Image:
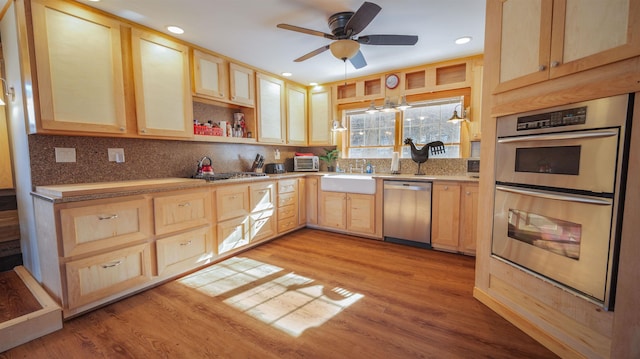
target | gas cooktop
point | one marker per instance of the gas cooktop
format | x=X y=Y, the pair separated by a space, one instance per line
x=228 y=175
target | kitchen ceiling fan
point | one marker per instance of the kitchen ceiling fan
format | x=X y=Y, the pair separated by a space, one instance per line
x=345 y=27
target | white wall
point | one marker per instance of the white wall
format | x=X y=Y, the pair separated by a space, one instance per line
x=18 y=140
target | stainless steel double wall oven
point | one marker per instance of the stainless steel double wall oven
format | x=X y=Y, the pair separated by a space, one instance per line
x=560 y=177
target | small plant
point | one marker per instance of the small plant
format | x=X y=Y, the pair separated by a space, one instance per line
x=330 y=157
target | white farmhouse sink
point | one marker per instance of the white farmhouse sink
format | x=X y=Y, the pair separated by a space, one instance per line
x=348 y=183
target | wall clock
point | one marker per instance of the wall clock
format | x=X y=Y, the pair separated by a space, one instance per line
x=392 y=81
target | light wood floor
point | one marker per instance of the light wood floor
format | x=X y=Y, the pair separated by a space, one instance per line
x=310 y=294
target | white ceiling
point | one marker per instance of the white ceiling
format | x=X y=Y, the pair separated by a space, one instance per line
x=246 y=30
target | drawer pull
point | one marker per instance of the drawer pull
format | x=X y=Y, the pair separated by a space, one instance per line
x=188 y=243
x=186 y=204
x=112 y=216
x=111 y=265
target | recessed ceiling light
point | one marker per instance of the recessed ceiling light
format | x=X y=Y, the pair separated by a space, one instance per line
x=463 y=40
x=94 y=0
x=313 y=84
x=175 y=29
x=286 y=74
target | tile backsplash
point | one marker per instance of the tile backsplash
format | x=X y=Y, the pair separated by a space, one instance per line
x=146 y=159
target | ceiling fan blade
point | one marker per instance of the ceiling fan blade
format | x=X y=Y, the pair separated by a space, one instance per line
x=388 y=40
x=361 y=18
x=312 y=54
x=306 y=31
x=358 y=60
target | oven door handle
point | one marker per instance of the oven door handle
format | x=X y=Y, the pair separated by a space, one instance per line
x=556 y=196
x=561 y=136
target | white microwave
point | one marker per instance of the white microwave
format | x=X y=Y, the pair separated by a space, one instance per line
x=306 y=163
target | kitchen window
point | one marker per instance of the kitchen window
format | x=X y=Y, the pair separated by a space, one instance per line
x=379 y=134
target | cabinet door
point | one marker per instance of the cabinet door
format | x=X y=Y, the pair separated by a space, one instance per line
x=100 y=276
x=296 y=115
x=361 y=213
x=525 y=32
x=210 y=76
x=302 y=201
x=233 y=234
x=184 y=251
x=232 y=202
x=262 y=196
x=332 y=210
x=79 y=64
x=587 y=35
x=271 y=111
x=312 y=200
x=103 y=224
x=163 y=92
x=183 y=210
x=445 y=216
x=320 y=114
x=241 y=85
x=6 y=170
x=469 y=220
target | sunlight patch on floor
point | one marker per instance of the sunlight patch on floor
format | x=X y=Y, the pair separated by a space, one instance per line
x=288 y=302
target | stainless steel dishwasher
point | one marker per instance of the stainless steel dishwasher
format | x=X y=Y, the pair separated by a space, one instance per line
x=407 y=213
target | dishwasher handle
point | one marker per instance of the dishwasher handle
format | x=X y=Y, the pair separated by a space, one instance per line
x=408 y=186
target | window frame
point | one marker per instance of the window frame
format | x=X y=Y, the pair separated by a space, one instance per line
x=346 y=108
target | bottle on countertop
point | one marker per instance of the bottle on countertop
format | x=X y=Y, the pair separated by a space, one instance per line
x=369 y=168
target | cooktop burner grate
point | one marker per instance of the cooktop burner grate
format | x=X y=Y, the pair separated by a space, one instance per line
x=228 y=175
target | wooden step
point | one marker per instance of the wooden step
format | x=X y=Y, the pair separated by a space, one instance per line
x=26 y=310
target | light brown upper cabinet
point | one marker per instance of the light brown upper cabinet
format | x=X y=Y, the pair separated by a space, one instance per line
x=79 y=62
x=162 y=87
x=242 y=85
x=210 y=76
x=296 y=115
x=320 y=111
x=543 y=39
x=271 y=109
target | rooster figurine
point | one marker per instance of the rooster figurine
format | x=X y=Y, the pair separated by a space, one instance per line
x=422 y=155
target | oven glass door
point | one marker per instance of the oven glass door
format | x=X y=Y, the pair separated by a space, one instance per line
x=583 y=160
x=563 y=237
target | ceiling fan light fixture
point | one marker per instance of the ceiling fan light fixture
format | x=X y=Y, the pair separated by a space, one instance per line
x=344 y=49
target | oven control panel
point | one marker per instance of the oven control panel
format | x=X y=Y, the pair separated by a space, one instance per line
x=572 y=116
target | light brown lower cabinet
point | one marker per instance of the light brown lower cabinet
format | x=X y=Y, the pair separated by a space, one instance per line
x=184 y=251
x=454 y=217
x=351 y=212
x=102 y=275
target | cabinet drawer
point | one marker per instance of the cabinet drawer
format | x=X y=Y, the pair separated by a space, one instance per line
x=233 y=234
x=287 y=224
x=106 y=274
x=104 y=224
x=263 y=225
x=262 y=196
x=287 y=211
x=181 y=211
x=286 y=186
x=286 y=199
x=232 y=202
x=184 y=251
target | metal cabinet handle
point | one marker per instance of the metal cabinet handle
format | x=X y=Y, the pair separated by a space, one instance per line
x=446 y=188
x=111 y=265
x=185 y=204
x=111 y=216
x=555 y=64
x=185 y=243
x=468 y=193
x=542 y=67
